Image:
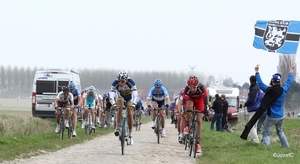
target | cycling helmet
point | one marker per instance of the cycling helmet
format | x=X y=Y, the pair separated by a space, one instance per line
x=71 y=85
x=92 y=89
x=157 y=83
x=65 y=89
x=104 y=95
x=193 y=81
x=123 y=75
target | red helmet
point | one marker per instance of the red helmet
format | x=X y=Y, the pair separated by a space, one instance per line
x=193 y=81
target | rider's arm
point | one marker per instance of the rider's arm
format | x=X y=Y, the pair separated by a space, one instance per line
x=149 y=96
x=168 y=101
x=79 y=101
x=134 y=96
x=112 y=96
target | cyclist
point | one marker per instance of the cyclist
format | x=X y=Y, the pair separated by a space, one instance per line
x=172 y=111
x=181 y=109
x=139 y=107
x=77 y=104
x=90 y=99
x=157 y=96
x=99 y=118
x=196 y=94
x=124 y=90
x=65 y=98
x=106 y=107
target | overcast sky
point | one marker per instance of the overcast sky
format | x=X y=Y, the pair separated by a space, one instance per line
x=215 y=35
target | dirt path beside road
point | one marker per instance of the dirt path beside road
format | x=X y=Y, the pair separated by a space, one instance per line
x=107 y=149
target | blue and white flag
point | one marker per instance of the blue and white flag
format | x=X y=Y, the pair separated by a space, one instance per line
x=279 y=36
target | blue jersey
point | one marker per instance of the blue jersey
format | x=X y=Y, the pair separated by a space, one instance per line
x=76 y=94
x=172 y=106
x=139 y=105
x=90 y=98
x=158 y=96
x=126 y=90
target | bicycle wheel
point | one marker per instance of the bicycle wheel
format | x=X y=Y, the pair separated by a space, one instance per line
x=70 y=129
x=89 y=125
x=139 y=124
x=136 y=122
x=158 y=128
x=122 y=137
x=191 y=139
x=108 y=122
x=62 y=127
x=195 y=139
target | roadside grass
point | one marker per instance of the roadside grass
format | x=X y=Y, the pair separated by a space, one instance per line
x=22 y=136
x=225 y=147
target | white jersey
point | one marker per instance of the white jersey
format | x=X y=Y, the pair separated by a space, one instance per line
x=61 y=97
x=100 y=97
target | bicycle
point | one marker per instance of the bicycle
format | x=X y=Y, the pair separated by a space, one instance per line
x=62 y=121
x=124 y=130
x=109 y=119
x=137 y=120
x=158 y=128
x=88 y=122
x=192 y=137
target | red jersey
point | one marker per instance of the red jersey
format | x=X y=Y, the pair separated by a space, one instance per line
x=197 y=97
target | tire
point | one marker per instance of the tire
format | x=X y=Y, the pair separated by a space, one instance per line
x=122 y=137
x=62 y=127
x=195 y=139
x=158 y=128
x=191 y=140
x=70 y=129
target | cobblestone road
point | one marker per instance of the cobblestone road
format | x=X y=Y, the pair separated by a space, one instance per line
x=107 y=149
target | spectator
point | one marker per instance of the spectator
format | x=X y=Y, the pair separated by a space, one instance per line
x=253 y=102
x=218 y=108
x=225 y=109
x=275 y=113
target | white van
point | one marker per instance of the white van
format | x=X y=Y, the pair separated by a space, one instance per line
x=46 y=85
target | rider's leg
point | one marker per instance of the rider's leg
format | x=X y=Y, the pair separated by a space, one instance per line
x=93 y=115
x=120 y=103
x=74 y=117
x=130 y=119
x=58 y=112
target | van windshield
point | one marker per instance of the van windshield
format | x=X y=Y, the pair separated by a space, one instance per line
x=49 y=86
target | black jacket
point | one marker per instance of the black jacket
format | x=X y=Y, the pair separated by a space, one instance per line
x=271 y=95
x=225 y=106
x=218 y=106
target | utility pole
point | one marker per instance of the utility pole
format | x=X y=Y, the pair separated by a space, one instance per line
x=192 y=69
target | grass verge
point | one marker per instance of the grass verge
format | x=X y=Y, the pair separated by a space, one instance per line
x=225 y=147
x=22 y=136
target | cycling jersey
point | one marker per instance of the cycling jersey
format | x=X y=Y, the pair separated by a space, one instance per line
x=76 y=94
x=197 y=97
x=90 y=99
x=172 y=106
x=61 y=97
x=128 y=92
x=158 y=96
x=139 y=105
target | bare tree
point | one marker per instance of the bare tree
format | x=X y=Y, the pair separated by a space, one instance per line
x=285 y=62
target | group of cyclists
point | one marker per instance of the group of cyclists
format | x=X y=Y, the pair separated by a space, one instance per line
x=124 y=94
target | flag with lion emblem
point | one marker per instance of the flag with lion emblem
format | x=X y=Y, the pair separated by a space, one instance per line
x=279 y=36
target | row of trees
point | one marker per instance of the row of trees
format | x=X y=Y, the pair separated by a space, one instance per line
x=17 y=81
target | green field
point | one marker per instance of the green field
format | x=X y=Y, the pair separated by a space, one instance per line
x=25 y=136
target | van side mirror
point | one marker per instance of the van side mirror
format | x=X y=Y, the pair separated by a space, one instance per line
x=241 y=106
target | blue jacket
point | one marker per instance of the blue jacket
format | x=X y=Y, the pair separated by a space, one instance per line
x=276 y=108
x=254 y=98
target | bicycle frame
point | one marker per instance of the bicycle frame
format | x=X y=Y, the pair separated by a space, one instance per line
x=192 y=137
x=124 y=131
